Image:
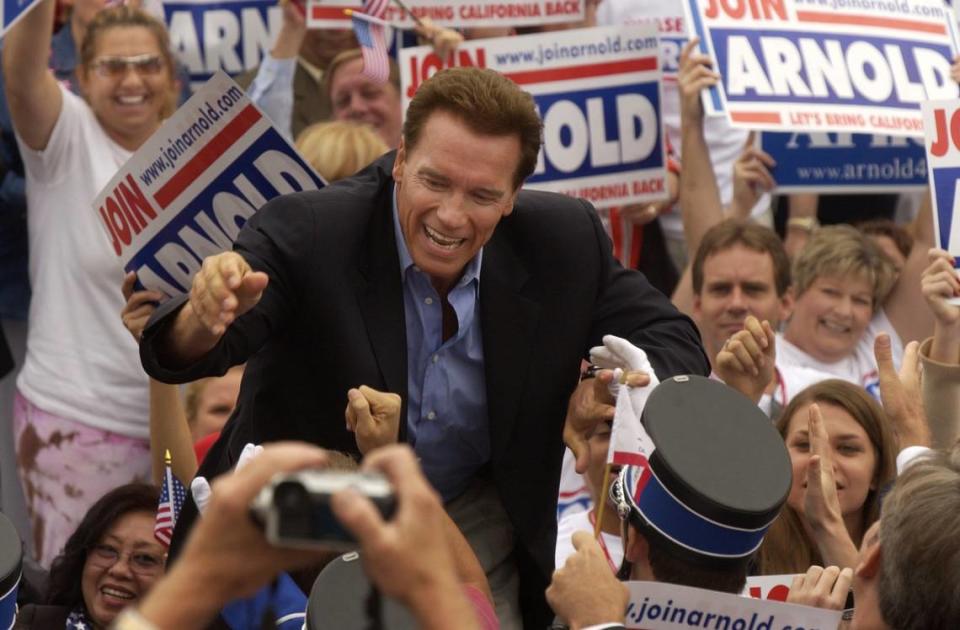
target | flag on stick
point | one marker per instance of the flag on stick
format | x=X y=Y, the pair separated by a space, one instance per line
x=172 y=496
x=373 y=45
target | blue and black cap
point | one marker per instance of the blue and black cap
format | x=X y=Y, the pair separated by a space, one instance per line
x=715 y=478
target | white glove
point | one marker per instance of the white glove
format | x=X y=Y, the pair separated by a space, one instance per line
x=618 y=353
x=200 y=487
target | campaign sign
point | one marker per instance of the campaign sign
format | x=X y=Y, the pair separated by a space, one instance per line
x=666 y=14
x=188 y=190
x=655 y=606
x=598 y=92
x=454 y=13
x=941 y=121
x=773 y=587
x=826 y=162
x=791 y=65
x=228 y=35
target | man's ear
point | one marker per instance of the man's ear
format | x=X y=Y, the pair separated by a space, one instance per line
x=870 y=560
x=635 y=548
x=786 y=304
x=399 y=162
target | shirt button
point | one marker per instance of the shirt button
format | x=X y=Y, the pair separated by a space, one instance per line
x=432 y=415
x=436 y=358
x=428 y=301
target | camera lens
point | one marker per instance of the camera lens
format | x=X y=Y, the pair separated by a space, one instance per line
x=290 y=495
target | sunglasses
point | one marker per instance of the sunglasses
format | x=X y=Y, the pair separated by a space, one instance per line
x=116 y=67
x=141 y=563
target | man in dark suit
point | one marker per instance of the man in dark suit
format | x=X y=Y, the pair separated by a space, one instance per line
x=431 y=275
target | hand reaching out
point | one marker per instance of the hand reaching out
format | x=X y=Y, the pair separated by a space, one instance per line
x=584 y=592
x=225 y=288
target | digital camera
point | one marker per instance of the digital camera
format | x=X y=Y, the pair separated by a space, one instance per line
x=294 y=508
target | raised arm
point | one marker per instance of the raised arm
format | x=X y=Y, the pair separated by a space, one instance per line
x=910 y=322
x=32 y=92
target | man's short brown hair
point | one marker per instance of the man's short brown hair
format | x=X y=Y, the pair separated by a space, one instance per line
x=732 y=232
x=485 y=101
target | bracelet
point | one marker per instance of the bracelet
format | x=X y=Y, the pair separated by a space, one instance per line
x=807 y=224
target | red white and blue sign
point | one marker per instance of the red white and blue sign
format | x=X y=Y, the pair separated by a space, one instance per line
x=185 y=194
x=454 y=13
x=598 y=93
x=807 y=65
x=826 y=162
x=941 y=120
x=229 y=35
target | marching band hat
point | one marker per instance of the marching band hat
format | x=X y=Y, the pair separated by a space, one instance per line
x=715 y=475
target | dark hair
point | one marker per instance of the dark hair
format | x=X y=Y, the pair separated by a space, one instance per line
x=125 y=16
x=485 y=101
x=63 y=588
x=670 y=568
x=732 y=232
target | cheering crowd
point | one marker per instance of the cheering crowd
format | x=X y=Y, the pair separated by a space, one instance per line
x=793 y=369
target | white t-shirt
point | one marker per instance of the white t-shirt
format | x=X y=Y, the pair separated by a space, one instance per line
x=580 y=521
x=859 y=367
x=725 y=142
x=792 y=379
x=81 y=362
x=574 y=495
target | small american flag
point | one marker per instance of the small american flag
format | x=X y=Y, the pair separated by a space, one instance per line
x=376 y=8
x=172 y=496
x=373 y=44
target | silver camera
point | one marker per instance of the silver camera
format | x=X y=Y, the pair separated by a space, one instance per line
x=294 y=508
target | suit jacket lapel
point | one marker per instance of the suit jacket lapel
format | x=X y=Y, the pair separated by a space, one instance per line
x=509 y=316
x=380 y=296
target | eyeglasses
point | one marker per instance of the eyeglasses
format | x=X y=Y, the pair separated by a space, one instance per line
x=116 y=67
x=140 y=562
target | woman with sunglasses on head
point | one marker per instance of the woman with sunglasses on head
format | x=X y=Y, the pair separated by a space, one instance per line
x=81 y=406
x=109 y=563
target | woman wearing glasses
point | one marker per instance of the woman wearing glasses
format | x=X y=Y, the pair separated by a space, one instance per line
x=109 y=563
x=80 y=417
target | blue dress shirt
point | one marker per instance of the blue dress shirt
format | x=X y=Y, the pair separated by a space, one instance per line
x=447 y=422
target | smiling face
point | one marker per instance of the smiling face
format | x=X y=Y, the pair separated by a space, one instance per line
x=854 y=458
x=128 y=105
x=358 y=98
x=109 y=587
x=830 y=316
x=449 y=199
x=737 y=281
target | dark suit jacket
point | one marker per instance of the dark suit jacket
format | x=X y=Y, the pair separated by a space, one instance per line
x=332 y=318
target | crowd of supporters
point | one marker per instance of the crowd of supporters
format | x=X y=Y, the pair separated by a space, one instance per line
x=831 y=350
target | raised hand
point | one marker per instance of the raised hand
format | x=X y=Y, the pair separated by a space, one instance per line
x=822 y=588
x=747 y=361
x=751 y=178
x=696 y=74
x=901 y=393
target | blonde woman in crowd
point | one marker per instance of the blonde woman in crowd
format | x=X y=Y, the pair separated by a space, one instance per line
x=338 y=149
x=80 y=417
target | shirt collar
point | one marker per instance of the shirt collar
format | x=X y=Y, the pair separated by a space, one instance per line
x=470 y=272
